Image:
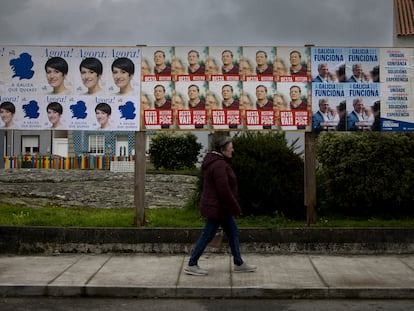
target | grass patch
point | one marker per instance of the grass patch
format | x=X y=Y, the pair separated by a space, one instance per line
x=56 y=216
x=65 y=217
x=371 y=222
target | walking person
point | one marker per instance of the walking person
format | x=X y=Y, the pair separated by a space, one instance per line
x=219 y=205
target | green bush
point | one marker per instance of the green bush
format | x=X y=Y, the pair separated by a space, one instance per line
x=174 y=151
x=365 y=174
x=269 y=173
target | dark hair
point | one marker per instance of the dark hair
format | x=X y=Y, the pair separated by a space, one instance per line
x=261 y=85
x=9 y=106
x=104 y=107
x=193 y=51
x=261 y=51
x=57 y=63
x=231 y=88
x=159 y=51
x=231 y=53
x=55 y=106
x=196 y=86
x=221 y=142
x=125 y=64
x=93 y=64
x=295 y=51
x=160 y=85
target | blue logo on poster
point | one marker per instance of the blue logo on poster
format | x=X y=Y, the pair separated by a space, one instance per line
x=22 y=66
x=127 y=111
x=31 y=110
x=79 y=110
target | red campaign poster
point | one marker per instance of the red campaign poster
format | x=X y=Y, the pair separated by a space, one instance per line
x=222 y=78
x=151 y=117
x=294 y=118
x=158 y=117
x=183 y=78
x=154 y=78
x=233 y=117
x=225 y=117
x=252 y=117
x=165 y=117
x=189 y=63
x=156 y=63
x=218 y=117
x=192 y=117
x=292 y=64
x=260 y=117
x=223 y=63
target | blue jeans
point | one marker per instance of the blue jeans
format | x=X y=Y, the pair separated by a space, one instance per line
x=229 y=227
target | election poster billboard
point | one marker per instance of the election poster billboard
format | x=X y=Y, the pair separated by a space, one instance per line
x=70 y=88
x=232 y=88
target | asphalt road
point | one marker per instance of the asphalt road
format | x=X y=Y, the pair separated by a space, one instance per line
x=102 y=304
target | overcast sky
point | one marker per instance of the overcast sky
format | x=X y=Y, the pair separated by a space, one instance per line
x=197 y=22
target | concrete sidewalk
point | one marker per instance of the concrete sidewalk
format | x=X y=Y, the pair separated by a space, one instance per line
x=161 y=275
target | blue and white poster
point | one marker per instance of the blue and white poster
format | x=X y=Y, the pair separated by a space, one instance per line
x=70 y=88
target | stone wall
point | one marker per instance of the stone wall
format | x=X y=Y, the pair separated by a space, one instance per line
x=92 y=188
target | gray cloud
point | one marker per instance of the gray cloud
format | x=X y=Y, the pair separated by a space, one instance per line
x=196 y=22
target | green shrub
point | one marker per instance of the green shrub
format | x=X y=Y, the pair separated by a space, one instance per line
x=270 y=175
x=365 y=174
x=174 y=151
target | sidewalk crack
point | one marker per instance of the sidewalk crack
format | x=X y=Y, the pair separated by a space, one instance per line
x=63 y=271
x=318 y=273
x=406 y=264
x=96 y=272
x=179 y=274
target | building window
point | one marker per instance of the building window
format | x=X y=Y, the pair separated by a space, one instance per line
x=30 y=144
x=97 y=144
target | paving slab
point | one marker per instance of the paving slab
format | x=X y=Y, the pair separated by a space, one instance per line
x=365 y=276
x=73 y=280
x=216 y=284
x=30 y=275
x=279 y=277
x=139 y=275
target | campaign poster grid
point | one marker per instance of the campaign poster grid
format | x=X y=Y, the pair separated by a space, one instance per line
x=340 y=88
x=362 y=89
x=70 y=88
x=207 y=88
x=226 y=88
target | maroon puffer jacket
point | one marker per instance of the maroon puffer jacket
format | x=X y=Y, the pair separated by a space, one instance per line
x=219 y=196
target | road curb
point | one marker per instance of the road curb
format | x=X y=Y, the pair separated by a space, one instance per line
x=26 y=240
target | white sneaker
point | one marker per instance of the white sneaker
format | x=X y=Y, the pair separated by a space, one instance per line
x=245 y=267
x=195 y=270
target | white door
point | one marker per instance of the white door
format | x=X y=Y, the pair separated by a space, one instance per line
x=60 y=146
x=121 y=146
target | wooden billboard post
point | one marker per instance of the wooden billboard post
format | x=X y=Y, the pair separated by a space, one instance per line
x=139 y=180
x=310 y=177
